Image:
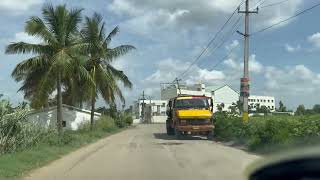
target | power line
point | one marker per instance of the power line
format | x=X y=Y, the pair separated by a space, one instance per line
x=274 y=4
x=222 y=59
x=225 y=38
x=211 y=41
x=235 y=26
x=285 y=20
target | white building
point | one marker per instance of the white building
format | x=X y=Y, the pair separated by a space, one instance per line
x=156 y=108
x=73 y=117
x=223 y=95
x=267 y=101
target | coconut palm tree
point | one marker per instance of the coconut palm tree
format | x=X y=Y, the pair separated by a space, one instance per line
x=101 y=55
x=54 y=59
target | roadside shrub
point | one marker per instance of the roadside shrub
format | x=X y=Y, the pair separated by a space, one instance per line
x=106 y=123
x=123 y=120
x=268 y=132
x=17 y=133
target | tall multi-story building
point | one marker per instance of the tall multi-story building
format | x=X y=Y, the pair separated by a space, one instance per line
x=268 y=101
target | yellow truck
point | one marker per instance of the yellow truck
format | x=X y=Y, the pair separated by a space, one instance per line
x=190 y=115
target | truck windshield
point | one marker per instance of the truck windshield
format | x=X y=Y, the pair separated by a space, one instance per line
x=196 y=103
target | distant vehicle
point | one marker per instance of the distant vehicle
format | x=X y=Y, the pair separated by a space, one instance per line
x=190 y=115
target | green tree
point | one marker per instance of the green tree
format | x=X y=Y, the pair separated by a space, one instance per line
x=238 y=105
x=220 y=107
x=301 y=110
x=263 y=109
x=316 y=108
x=54 y=57
x=233 y=108
x=282 y=108
x=101 y=55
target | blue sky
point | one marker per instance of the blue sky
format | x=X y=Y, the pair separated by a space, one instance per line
x=169 y=34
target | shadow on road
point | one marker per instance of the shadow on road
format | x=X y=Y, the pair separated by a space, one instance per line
x=164 y=136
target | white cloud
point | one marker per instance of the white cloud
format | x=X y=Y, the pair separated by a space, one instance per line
x=24 y=37
x=18 y=6
x=254 y=65
x=291 y=49
x=231 y=63
x=192 y=14
x=169 y=68
x=234 y=44
x=315 y=40
x=292 y=80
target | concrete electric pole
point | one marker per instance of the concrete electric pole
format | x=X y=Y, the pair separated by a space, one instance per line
x=177 y=81
x=244 y=82
x=143 y=107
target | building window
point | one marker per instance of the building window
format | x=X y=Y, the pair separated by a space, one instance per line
x=269 y=107
x=271 y=100
x=257 y=100
x=264 y=100
x=163 y=105
x=272 y=107
x=268 y=100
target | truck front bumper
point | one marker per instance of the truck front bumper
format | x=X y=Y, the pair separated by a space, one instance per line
x=194 y=128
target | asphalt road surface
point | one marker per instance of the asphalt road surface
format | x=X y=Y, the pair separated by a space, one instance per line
x=147 y=153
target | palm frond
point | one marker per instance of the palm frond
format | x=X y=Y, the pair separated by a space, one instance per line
x=36 y=27
x=22 y=47
x=118 y=51
x=119 y=75
x=73 y=21
x=38 y=62
x=111 y=35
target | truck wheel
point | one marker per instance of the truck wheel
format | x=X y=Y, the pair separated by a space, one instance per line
x=170 y=130
x=210 y=136
x=177 y=133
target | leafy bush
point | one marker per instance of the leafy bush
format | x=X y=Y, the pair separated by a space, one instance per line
x=16 y=132
x=123 y=120
x=268 y=132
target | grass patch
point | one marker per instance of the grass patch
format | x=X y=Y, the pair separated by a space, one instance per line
x=18 y=163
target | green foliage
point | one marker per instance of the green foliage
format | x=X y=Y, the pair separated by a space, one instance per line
x=268 y=132
x=16 y=133
x=262 y=109
x=111 y=111
x=123 y=120
x=316 y=108
x=301 y=110
x=282 y=108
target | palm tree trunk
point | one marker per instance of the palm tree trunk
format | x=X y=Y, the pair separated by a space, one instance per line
x=59 y=105
x=93 y=98
x=93 y=102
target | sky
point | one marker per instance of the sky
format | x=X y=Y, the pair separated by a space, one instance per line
x=169 y=34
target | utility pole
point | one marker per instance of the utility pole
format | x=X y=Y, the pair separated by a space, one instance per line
x=244 y=82
x=177 y=81
x=142 y=107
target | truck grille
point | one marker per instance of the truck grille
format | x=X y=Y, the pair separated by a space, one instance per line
x=198 y=121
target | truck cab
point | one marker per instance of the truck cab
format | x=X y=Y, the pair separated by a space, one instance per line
x=190 y=115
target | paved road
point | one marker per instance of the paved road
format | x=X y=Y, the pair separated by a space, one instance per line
x=147 y=153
